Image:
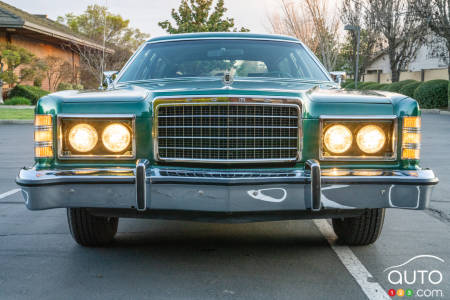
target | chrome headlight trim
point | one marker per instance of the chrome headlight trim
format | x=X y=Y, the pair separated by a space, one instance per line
x=113 y=117
x=362 y=118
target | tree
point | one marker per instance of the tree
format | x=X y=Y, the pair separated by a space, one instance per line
x=313 y=23
x=294 y=21
x=98 y=23
x=436 y=14
x=401 y=33
x=35 y=71
x=15 y=58
x=327 y=30
x=354 y=13
x=57 y=71
x=199 y=16
x=92 y=25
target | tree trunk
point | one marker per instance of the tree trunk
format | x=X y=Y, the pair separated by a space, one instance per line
x=395 y=72
x=395 y=75
x=448 y=59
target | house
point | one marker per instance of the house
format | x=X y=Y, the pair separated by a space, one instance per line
x=43 y=37
x=423 y=68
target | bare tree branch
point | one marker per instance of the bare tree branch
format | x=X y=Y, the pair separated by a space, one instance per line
x=311 y=22
x=436 y=15
x=401 y=33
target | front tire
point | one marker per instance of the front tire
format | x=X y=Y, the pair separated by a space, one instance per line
x=362 y=230
x=89 y=230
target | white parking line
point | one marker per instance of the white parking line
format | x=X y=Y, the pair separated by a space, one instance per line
x=9 y=193
x=373 y=290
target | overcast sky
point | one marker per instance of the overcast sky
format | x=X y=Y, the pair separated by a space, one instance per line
x=145 y=14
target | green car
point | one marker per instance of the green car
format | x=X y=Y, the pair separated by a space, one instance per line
x=226 y=127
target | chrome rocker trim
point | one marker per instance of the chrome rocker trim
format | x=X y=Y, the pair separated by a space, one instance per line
x=146 y=190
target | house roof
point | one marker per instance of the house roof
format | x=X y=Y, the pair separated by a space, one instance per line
x=238 y=35
x=12 y=17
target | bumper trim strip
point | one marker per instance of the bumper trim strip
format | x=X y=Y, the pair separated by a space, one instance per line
x=29 y=177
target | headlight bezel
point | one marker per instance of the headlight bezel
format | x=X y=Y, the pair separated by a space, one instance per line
x=355 y=153
x=106 y=119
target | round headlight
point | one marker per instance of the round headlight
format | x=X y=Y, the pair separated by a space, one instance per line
x=116 y=137
x=338 y=138
x=83 y=137
x=371 y=139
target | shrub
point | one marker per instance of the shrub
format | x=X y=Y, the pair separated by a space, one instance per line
x=362 y=85
x=30 y=92
x=432 y=94
x=78 y=87
x=351 y=86
x=396 y=86
x=62 y=86
x=385 y=87
x=18 y=101
x=379 y=86
x=370 y=86
x=37 y=82
x=345 y=83
x=408 y=90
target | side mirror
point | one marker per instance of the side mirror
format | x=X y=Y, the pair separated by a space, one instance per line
x=108 y=79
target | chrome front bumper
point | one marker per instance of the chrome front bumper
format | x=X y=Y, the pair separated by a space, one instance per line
x=151 y=189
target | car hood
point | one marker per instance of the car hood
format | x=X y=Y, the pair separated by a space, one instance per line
x=318 y=98
x=327 y=91
x=316 y=91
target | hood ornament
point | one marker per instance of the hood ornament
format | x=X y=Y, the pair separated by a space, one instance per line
x=227 y=79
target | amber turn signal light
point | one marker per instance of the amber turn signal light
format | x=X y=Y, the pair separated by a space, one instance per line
x=411 y=137
x=412 y=122
x=43 y=120
x=43 y=136
x=42 y=152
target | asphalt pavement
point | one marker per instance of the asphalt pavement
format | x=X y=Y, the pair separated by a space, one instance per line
x=155 y=259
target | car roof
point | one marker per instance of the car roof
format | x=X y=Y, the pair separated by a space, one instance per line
x=237 y=35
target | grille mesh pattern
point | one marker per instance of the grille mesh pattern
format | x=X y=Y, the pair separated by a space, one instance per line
x=228 y=132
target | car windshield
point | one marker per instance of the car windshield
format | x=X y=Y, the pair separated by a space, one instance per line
x=211 y=58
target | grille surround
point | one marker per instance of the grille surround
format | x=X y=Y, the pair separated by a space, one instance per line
x=222 y=122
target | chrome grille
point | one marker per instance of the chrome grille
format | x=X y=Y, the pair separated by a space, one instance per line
x=227 y=132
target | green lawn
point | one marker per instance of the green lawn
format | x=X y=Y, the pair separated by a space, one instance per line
x=16 y=114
